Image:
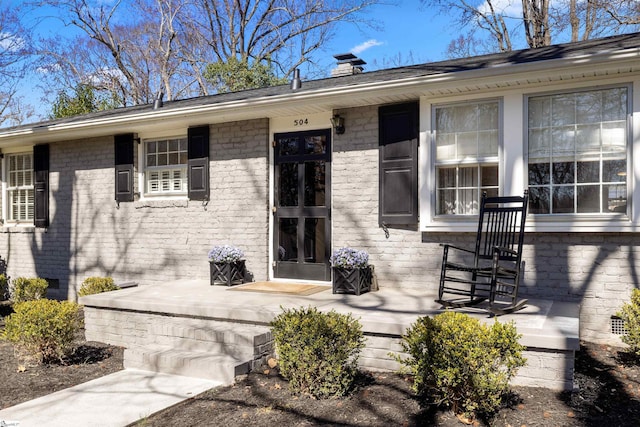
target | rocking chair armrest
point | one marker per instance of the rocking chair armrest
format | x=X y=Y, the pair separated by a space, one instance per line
x=503 y=249
x=496 y=268
x=448 y=245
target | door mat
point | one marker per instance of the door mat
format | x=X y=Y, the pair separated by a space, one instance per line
x=280 y=288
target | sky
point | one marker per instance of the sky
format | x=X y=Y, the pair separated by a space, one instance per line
x=407 y=31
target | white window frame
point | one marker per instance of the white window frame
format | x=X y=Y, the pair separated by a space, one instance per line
x=476 y=162
x=577 y=216
x=171 y=169
x=7 y=214
x=514 y=161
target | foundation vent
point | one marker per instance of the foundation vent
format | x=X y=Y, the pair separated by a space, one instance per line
x=617 y=326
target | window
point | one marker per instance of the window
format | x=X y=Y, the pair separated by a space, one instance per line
x=166 y=166
x=20 y=190
x=577 y=145
x=467 y=140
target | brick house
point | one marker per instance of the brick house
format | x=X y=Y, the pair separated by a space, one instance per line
x=142 y=193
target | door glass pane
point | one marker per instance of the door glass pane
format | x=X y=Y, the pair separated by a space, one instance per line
x=314 y=184
x=315 y=144
x=288 y=146
x=288 y=240
x=314 y=243
x=288 y=184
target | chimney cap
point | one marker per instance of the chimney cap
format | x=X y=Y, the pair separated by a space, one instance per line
x=349 y=58
x=344 y=56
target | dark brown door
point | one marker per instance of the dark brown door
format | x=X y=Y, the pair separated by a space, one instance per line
x=302 y=237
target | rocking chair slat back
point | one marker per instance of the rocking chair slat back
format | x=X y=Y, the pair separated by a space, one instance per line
x=500 y=222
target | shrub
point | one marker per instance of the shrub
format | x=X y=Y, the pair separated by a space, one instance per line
x=4 y=287
x=318 y=352
x=97 y=285
x=27 y=289
x=43 y=330
x=630 y=313
x=459 y=362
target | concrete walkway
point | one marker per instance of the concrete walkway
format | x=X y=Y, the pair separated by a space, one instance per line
x=114 y=400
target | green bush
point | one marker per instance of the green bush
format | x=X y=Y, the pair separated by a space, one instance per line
x=43 y=330
x=4 y=287
x=27 y=289
x=97 y=285
x=630 y=313
x=461 y=363
x=318 y=352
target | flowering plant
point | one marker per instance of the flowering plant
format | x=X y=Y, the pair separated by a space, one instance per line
x=349 y=258
x=225 y=253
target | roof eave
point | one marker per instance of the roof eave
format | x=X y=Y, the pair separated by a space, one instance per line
x=331 y=97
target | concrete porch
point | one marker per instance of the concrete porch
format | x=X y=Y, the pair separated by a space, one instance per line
x=188 y=327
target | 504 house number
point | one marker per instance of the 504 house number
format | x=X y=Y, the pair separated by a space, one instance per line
x=300 y=122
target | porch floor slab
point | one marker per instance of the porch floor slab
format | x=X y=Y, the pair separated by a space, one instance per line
x=388 y=311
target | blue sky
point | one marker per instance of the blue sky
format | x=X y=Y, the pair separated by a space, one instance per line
x=407 y=30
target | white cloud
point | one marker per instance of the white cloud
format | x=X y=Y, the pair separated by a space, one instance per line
x=510 y=8
x=364 y=46
x=49 y=69
x=10 y=42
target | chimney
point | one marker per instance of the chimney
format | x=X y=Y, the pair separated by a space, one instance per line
x=348 y=64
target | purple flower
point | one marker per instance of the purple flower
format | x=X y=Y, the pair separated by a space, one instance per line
x=225 y=253
x=349 y=258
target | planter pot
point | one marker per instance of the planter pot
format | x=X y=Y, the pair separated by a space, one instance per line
x=227 y=273
x=352 y=280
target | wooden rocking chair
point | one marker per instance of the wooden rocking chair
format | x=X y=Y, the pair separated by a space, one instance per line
x=492 y=270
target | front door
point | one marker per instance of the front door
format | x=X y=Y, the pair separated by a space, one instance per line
x=302 y=234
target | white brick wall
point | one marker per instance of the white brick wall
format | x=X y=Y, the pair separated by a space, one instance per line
x=599 y=270
x=148 y=241
x=155 y=241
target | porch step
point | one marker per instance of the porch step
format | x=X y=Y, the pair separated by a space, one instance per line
x=212 y=337
x=200 y=348
x=218 y=367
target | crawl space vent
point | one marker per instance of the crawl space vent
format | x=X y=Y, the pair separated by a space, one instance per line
x=617 y=326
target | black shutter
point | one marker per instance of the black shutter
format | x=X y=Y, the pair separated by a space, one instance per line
x=198 y=163
x=124 y=167
x=41 y=185
x=398 y=139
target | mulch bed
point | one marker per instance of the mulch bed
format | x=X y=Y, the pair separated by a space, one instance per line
x=20 y=382
x=607 y=379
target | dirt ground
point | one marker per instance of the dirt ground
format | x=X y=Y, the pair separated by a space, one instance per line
x=19 y=383
x=607 y=379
